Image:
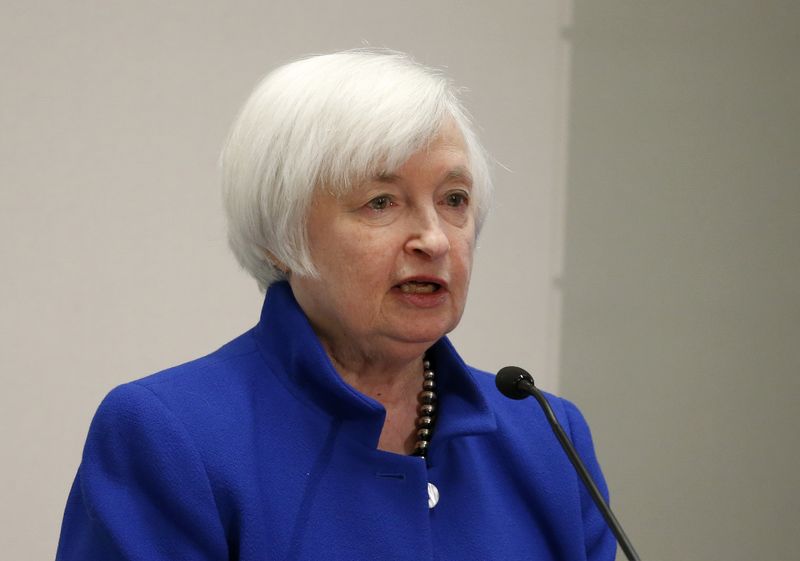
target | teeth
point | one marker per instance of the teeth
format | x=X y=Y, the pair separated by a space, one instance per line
x=418 y=287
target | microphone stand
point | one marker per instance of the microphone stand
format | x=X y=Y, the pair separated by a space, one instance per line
x=524 y=383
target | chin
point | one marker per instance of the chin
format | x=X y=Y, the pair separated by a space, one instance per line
x=428 y=333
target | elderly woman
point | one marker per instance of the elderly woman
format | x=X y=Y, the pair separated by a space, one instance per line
x=344 y=426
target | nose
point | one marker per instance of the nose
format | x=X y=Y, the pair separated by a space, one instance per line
x=427 y=237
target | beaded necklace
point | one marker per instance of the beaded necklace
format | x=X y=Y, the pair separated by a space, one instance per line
x=426 y=417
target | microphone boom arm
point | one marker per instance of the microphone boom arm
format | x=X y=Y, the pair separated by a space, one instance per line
x=517 y=384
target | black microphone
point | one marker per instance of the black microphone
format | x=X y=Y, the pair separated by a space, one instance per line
x=513 y=382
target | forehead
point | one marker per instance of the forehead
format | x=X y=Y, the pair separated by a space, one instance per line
x=444 y=156
x=454 y=174
x=347 y=168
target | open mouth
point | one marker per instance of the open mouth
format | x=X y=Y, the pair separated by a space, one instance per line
x=419 y=287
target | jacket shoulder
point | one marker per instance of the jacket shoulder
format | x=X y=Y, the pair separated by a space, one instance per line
x=211 y=397
x=514 y=411
x=231 y=362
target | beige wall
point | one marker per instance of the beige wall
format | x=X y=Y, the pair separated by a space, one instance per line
x=681 y=331
x=111 y=235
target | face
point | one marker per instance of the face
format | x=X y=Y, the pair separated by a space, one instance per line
x=394 y=256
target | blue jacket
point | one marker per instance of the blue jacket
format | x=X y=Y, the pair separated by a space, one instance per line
x=259 y=451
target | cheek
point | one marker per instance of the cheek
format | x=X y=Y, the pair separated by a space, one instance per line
x=333 y=248
x=359 y=258
x=465 y=249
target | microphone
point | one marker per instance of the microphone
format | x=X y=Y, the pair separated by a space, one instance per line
x=515 y=383
x=509 y=381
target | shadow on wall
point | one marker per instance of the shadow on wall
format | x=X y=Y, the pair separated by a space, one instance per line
x=681 y=303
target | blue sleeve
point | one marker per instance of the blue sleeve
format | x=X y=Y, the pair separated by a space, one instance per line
x=601 y=545
x=142 y=492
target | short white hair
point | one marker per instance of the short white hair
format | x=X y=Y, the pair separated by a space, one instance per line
x=329 y=120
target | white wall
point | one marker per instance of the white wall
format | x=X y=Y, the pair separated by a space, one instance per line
x=681 y=294
x=681 y=299
x=111 y=234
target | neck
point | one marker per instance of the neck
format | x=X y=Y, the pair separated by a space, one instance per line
x=394 y=385
x=388 y=382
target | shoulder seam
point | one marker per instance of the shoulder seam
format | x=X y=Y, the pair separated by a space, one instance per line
x=199 y=364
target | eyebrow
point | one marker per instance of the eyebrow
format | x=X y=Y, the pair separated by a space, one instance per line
x=458 y=173
x=386 y=177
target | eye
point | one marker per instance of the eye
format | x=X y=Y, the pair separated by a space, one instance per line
x=380 y=203
x=456 y=199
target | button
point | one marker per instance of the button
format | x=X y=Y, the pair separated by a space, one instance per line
x=433 y=495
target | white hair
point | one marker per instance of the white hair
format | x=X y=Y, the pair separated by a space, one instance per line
x=330 y=120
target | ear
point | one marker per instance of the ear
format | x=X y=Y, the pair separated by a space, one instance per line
x=277 y=263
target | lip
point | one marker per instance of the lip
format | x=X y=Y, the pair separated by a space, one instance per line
x=423 y=300
x=424 y=278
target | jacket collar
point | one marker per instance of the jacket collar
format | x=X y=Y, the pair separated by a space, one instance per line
x=293 y=351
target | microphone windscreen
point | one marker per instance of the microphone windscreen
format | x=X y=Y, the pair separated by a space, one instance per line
x=508 y=379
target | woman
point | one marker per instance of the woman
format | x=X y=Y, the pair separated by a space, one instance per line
x=344 y=425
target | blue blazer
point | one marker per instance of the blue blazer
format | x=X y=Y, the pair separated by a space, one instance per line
x=259 y=451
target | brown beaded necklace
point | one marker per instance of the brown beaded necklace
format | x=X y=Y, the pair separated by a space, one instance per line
x=426 y=410
x=426 y=418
